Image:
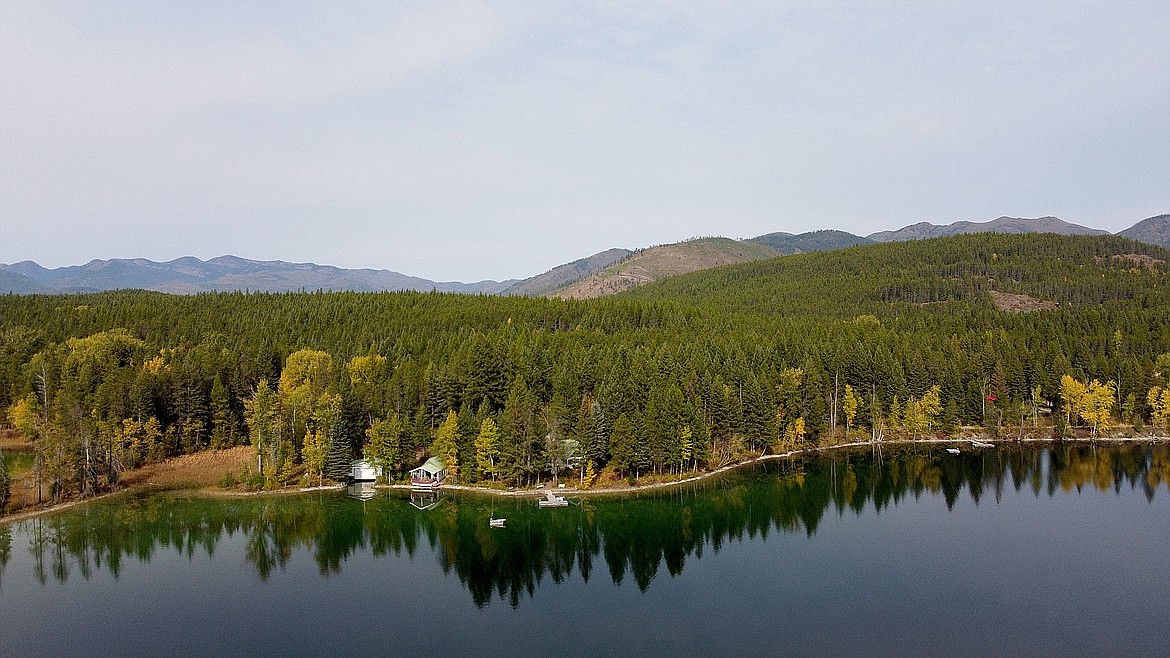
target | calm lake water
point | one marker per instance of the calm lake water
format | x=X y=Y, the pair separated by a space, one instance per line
x=1011 y=551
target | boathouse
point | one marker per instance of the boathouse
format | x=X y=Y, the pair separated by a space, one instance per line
x=361 y=470
x=429 y=475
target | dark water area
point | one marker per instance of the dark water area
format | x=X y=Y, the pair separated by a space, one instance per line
x=1010 y=551
x=18 y=461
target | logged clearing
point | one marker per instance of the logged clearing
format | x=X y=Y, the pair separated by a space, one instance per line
x=1137 y=260
x=1006 y=301
x=665 y=261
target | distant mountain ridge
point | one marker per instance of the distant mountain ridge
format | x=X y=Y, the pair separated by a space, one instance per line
x=603 y=273
x=189 y=275
x=1152 y=230
x=924 y=230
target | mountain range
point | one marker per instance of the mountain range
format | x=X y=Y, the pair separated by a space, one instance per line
x=604 y=273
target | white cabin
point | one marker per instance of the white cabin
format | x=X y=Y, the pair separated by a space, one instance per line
x=362 y=471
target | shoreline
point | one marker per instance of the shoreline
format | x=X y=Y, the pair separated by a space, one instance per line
x=209 y=492
x=697 y=477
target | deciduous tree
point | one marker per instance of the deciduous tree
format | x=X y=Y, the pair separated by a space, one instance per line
x=262 y=415
x=851 y=403
x=385 y=450
x=446 y=444
x=487 y=447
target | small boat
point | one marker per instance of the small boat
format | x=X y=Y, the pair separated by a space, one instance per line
x=953 y=451
x=980 y=444
x=553 y=500
x=496 y=523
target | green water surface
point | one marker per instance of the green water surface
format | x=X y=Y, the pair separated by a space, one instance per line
x=1007 y=552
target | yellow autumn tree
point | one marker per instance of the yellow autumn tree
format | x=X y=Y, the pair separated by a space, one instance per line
x=1098 y=409
x=1092 y=402
x=1072 y=393
x=1159 y=399
x=25 y=416
x=850 y=404
x=794 y=433
x=1159 y=396
x=446 y=444
x=303 y=380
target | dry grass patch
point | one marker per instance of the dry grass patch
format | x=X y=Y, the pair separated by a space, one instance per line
x=202 y=469
x=10 y=440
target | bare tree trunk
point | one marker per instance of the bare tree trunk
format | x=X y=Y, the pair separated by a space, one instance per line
x=833 y=406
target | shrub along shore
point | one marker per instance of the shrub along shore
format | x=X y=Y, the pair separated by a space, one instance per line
x=182 y=474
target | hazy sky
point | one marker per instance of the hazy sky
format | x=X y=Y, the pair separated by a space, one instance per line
x=467 y=141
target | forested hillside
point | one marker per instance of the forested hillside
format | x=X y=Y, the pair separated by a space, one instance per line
x=823 y=240
x=689 y=373
x=656 y=263
x=1154 y=230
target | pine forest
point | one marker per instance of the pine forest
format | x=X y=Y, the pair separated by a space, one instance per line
x=993 y=335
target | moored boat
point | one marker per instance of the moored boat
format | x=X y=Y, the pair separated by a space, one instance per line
x=553 y=500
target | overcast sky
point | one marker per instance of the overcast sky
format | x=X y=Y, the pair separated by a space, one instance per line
x=492 y=140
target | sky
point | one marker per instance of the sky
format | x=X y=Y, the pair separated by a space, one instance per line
x=493 y=140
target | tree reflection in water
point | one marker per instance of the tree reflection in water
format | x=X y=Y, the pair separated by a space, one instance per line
x=635 y=536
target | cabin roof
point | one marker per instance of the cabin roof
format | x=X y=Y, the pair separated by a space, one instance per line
x=432 y=466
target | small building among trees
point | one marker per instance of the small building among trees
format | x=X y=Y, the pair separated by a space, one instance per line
x=361 y=470
x=429 y=475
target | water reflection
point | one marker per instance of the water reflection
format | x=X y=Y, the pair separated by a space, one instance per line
x=634 y=537
x=361 y=490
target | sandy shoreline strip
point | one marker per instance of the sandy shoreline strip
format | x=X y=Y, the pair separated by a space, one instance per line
x=209 y=492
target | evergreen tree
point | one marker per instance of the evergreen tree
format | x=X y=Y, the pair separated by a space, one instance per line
x=225 y=429
x=621 y=445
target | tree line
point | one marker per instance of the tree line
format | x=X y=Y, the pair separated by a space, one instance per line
x=692 y=373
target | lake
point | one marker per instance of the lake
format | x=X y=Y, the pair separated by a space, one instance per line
x=1007 y=551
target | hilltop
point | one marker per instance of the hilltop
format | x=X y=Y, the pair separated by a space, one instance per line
x=1154 y=230
x=785 y=244
x=923 y=230
x=665 y=261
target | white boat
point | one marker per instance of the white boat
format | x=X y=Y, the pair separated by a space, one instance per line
x=953 y=451
x=553 y=500
x=496 y=523
x=980 y=444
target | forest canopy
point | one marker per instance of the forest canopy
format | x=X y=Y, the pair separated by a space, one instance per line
x=690 y=373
